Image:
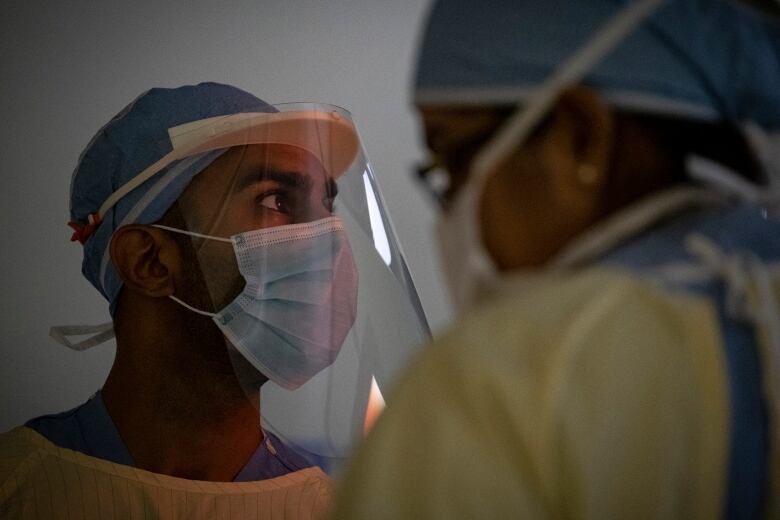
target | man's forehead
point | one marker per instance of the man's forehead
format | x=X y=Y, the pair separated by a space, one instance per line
x=281 y=152
x=253 y=159
x=277 y=154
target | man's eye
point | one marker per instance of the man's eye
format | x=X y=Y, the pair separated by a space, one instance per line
x=275 y=201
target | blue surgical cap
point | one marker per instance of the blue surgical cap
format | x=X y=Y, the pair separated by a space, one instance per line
x=130 y=142
x=702 y=59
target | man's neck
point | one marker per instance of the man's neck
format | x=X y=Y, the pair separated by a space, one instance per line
x=183 y=417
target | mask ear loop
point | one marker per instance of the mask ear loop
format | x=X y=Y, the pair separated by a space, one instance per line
x=191 y=308
x=198 y=235
x=192 y=233
x=217 y=220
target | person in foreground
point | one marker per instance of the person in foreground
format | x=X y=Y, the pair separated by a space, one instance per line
x=210 y=222
x=611 y=236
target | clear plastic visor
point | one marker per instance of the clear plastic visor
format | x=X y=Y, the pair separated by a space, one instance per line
x=292 y=264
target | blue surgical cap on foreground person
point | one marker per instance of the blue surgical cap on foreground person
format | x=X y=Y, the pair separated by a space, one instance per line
x=247 y=258
x=611 y=236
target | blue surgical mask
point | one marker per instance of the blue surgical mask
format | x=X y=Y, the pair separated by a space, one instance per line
x=299 y=301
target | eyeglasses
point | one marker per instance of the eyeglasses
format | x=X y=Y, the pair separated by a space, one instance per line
x=443 y=174
x=435 y=180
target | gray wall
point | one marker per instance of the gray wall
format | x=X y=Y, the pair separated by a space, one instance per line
x=67 y=67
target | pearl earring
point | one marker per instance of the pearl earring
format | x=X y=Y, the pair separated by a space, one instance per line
x=587 y=174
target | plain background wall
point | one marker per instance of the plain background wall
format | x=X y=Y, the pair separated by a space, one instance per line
x=68 y=67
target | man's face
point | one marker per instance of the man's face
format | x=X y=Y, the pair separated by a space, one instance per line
x=248 y=188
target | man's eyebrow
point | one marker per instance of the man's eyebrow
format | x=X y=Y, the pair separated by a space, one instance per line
x=291 y=178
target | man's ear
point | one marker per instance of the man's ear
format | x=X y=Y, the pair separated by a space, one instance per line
x=146 y=259
x=588 y=123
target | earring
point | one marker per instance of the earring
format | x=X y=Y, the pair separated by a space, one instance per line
x=587 y=174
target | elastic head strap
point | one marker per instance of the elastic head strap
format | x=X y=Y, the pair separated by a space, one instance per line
x=517 y=128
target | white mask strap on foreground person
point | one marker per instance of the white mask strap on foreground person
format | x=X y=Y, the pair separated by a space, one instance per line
x=750 y=297
x=299 y=301
x=748 y=280
x=468 y=266
x=717 y=186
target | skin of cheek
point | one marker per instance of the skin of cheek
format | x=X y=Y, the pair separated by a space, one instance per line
x=216 y=260
x=529 y=210
x=223 y=278
x=221 y=273
x=514 y=217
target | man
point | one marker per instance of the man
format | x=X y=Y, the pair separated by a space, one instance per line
x=616 y=243
x=208 y=222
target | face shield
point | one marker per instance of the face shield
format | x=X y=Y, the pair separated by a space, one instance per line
x=290 y=253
